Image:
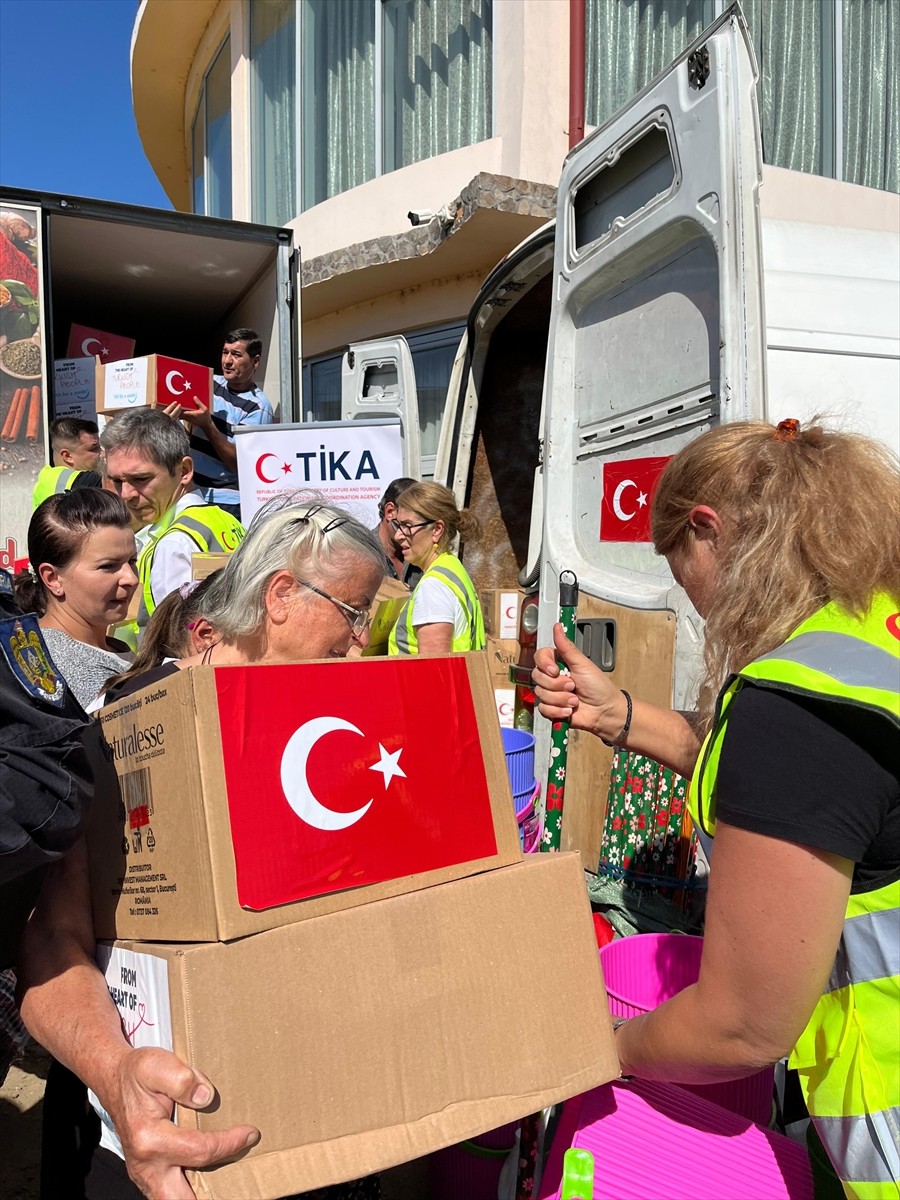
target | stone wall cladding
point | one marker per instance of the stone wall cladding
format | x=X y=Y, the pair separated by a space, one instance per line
x=499 y=192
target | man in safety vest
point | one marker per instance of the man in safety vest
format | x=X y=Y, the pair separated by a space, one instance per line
x=75 y=446
x=148 y=465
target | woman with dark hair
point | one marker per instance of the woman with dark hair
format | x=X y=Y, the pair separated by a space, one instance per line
x=443 y=614
x=81 y=581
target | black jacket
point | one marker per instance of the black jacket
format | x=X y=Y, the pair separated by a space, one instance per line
x=46 y=778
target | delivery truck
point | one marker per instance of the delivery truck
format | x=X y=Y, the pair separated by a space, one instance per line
x=681 y=285
x=93 y=275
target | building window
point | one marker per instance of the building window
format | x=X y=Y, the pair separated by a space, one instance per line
x=381 y=83
x=829 y=98
x=273 y=59
x=436 y=83
x=211 y=139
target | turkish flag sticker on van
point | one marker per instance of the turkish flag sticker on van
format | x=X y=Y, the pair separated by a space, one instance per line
x=368 y=772
x=628 y=488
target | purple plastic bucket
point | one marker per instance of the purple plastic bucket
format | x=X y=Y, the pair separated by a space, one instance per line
x=471 y=1170
x=642 y=971
x=518 y=746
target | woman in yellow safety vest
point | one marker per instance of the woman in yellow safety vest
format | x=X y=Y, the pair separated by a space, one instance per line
x=787 y=541
x=443 y=614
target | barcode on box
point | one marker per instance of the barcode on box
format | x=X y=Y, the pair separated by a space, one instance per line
x=138 y=796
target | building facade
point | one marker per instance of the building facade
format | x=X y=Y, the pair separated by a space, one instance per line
x=349 y=120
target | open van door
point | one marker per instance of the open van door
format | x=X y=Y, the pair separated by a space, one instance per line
x=657 y=332
x=378 y=380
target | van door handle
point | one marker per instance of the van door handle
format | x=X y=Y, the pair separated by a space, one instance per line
x=595 y=637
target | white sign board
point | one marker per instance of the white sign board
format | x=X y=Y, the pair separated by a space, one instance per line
x=349 y=462
x=73 y=388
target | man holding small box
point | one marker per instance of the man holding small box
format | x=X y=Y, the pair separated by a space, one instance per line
x=236 y=401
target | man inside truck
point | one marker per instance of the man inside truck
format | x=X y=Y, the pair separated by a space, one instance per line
x=75 y=445
x=236 y=401
x=149 y=465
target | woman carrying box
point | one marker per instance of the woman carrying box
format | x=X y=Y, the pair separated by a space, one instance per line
x=298 y=587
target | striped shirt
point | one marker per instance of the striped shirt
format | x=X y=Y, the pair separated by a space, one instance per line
x=217 y=483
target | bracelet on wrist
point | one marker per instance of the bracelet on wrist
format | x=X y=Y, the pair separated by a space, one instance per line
x=619 y=741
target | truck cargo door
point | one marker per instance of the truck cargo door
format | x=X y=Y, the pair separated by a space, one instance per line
x=378 y=380
x=657 y=332
x=657 y=329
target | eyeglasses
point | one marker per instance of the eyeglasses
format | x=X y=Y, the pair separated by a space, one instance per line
x=359 y=617
x=405 y=528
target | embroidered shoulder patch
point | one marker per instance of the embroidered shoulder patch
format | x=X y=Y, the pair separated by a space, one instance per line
x=22 y=645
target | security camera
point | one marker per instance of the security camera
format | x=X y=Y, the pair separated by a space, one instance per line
x=420 y=216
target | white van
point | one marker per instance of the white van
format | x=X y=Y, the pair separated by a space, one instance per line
x=683 y=284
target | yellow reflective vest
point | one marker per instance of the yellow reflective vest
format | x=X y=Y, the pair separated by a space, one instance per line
x=848 y=1056
x=51 y=480
x=211 y=528
x=452 y=574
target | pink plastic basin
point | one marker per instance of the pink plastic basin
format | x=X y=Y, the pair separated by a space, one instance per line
x=645 y=969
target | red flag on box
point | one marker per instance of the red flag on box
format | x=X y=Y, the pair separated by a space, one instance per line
x=85 y=342
x=628 y=488
x=353 y=779
x=185 y=382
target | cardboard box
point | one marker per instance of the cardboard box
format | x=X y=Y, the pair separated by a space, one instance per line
x=389 y=600
x=505 y=701
x=502 y=653
x=500 y=609
x=152 y=382
x=253 y=797
x=73 y=388
x=203 y=565
x=96 y=343
x=370 y=1037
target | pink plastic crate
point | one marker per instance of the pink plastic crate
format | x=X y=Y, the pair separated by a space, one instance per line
x=642 y=971
x=658 y=1140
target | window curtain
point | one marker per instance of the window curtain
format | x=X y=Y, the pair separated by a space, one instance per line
x=218 y=134
x=628 y=43
x=338 y=96
x=273 y=55
x=437 y=77
x=871 y=37
x=787 y=39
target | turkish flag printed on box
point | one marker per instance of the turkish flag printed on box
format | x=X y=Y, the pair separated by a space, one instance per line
x=628 y=488
x=85 y=342
x=185 y=382
x=332 y=787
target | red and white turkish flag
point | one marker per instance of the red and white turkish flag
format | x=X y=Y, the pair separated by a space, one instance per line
x=183 y=382
x=628 y=488
x=340 y=775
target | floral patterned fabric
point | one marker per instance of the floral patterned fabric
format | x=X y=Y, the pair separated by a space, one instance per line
x=648 y=836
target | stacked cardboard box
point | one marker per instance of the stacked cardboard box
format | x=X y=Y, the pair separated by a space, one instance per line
x=154 y=381
x=398 y=972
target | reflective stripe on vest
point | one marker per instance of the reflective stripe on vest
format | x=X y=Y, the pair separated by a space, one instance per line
x=52 y=480
x=848 y=1056
x=452 y=574
x=209 y=527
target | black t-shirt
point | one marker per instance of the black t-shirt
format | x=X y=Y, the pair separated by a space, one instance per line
x=815 y=772
x=128 y=686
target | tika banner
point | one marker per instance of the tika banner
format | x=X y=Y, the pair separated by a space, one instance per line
x=350 y=462
x=376 y=780
x=628 y=488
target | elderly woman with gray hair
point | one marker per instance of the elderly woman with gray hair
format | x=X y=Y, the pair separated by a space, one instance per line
x=298 y=587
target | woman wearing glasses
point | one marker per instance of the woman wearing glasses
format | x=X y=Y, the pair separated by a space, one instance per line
x=298 y=587
x=443 y=614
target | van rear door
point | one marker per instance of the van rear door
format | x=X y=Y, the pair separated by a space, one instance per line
x=378 y=380
x=657 y=333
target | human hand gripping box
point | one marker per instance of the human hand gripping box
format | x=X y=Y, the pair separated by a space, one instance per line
x=253 y=797
x=369 y=1037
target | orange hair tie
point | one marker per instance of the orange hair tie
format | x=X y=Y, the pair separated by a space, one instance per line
x=786 y=431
